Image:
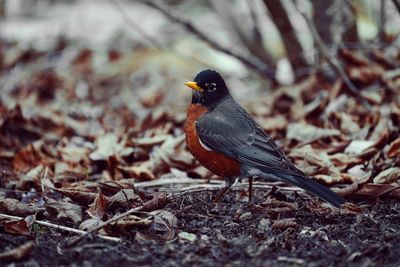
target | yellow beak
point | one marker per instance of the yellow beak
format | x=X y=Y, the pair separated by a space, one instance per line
x=194 y=86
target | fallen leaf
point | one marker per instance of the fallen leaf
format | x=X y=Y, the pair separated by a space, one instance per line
x=107 y=146
x=367 y=74
x=306 y=133
x=161 y=228
x=64 y=211
x=358 y=146
x=11 y=206
x=20 y=227
x=98 y=207
x=79 y=196
x=124 y=198
x=394 y=149
x=388 y=176
x=90 y=223
x=27 y=158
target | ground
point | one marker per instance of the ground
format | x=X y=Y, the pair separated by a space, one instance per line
x=233 y=232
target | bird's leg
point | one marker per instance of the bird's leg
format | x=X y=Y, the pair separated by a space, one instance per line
x=250 y=189
x=228 y=183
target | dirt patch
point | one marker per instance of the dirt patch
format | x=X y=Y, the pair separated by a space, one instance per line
x=278 y=233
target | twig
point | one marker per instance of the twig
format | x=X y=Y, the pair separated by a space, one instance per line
x=102 y=225
x=151 y=40
x=174 y=181
x=216 y=187
x=250 y=61
x=397 y=5
x=290 y=39
x=332 y=60
x=382 y=20
x=199 y=185
x=256 y=29
x=60 y=227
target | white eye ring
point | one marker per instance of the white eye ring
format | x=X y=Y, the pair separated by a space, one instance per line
x=212 y=86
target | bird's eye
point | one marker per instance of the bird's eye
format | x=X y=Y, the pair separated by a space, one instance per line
x=212 y=86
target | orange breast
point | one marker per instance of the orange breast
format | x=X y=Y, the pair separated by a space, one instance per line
x=216 y=162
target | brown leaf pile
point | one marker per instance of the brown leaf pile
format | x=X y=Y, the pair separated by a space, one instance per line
x=76 y=136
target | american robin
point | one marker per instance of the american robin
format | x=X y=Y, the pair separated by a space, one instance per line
x=224 y=138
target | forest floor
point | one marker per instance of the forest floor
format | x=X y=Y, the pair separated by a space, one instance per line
x=233 y=233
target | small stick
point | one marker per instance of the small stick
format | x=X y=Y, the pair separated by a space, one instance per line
x=102 y=225
x=60 y=227
x=131 y=23
x=332 y=60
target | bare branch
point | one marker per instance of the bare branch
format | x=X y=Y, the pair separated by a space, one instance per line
x=347 y=17
x=397 y=5
x=323 y=19
x=153 y=42
x=382 y=19
x=294 y=50
x=252 y=42
x=250 y=61
x=256 y=29
x=333 y=62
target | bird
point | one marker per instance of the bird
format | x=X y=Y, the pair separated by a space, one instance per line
x=225 y=139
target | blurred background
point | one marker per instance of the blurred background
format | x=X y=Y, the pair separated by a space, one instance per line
x=164 y=43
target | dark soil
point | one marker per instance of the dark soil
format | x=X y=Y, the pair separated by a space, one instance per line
x=236 y=234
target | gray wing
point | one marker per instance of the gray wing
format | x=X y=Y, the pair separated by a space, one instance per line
x=229 y=129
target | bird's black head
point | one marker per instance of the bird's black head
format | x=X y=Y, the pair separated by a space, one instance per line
x=208 y=88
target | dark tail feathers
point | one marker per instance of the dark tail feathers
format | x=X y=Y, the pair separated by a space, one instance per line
x=314 y=187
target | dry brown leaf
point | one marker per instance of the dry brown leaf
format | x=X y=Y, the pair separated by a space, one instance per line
x=33 y=177
x=107 y=146
x=388 y=176
x=124 y=198
x=351 y=208
x=343 y=161
x=394 y=149
x=347 y=123
x=150 y=141
x=358 y=146
x=307 y=133
x=278 y=122
x=129 y=225
x=64 y=211
x=162 y=226
x=366 y=74
x=20 y=227
x=99 y=206
x=142 y=171
x=335 y=178
x=312 y=162
x=359 y=171
x=354 y=57
x=79 y=196
x=11 y=206
x=90 y=223
x=27 y=158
